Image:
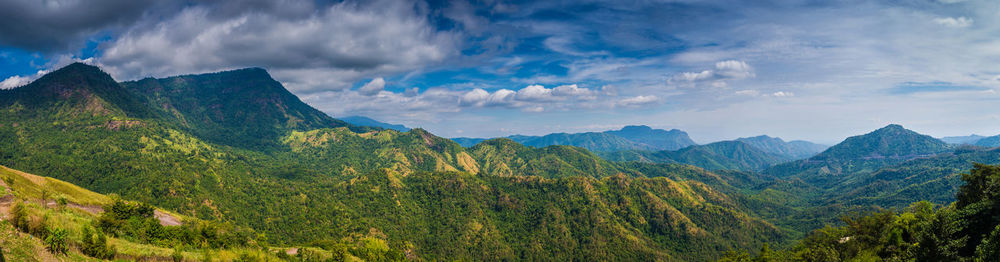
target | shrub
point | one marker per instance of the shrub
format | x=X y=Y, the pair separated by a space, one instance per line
x=55 y=242
x=95 y=244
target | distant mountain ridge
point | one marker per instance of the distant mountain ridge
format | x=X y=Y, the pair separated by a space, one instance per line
x=796 y=149
x=366 y=121
x=958 y=140
x=627 y=138
x=723 y=155
x=992 y=141
x=657 y=138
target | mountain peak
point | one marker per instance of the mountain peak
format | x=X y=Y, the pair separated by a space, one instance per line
x=245 y=101
x=636 y=128
x=892 y=127
x=778 y=146
x=80 y=67
x=657 y=138
x=85 y=88
x=76 y=75
x=891 y=141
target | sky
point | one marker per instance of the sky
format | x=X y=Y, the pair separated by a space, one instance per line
x=718 y=69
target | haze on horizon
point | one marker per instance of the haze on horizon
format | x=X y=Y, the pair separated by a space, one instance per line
x=795 y=69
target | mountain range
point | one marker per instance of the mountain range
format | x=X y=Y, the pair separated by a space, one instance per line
x=236 y=146
x=235 y=151
x=365 y=121
x=627 y=138
x=959 y=140
x=642 y=143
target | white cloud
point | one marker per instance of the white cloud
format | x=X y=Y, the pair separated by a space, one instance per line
x=15 y=81
x=782 y=94
x=535 y=93
x=959 y=22
x=476 y=97
x=638 y=100
x=723 y=72
x=372 y=87
x=748 y=92
x=532 y=98
x=502 y=97
x=732 y=69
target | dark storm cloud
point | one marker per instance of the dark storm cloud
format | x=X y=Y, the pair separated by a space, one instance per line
x=309 y=47
x=60 y=25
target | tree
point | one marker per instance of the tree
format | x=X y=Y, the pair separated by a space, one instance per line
x=989 y=250
x=977 y=207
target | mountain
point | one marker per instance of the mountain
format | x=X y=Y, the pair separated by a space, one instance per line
x=241 y=108
x=365 y=121
x=504 y=157
x=890 y=142
x=628 y=138
x=658 y=139
x=76 y=89
x=959 y=140
x=291 y=176
x=468 y=141
x=601 y=142
x=236 y=147
x=724 y=155
x=992 y=141
x=797 y=149
x=883 y=147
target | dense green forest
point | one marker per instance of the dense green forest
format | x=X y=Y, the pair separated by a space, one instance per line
x=965 y=230
x=237 y=150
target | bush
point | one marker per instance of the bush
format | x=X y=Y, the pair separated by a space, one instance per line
x=95 y=244
x=55 y=242
x=19 y=216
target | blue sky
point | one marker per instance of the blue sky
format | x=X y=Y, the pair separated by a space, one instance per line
x=814 y=70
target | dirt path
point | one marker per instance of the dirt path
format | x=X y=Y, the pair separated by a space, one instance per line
x=166 y=219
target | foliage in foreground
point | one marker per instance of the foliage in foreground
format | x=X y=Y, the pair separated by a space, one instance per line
x=966 y=230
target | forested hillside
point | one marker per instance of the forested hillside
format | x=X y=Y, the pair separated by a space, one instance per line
x=237 y=149
x=299 y=177
x=725 y=155
x=967 y=229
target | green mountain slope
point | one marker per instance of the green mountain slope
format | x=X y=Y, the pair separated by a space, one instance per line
x=240 y=108
x=504 y=157
x=889 y=142
x=797 y=149
x=36 y=208
x=306 y=178
x=966 y=230
x=659 y=139
x=886 y=146
x=731 y=155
